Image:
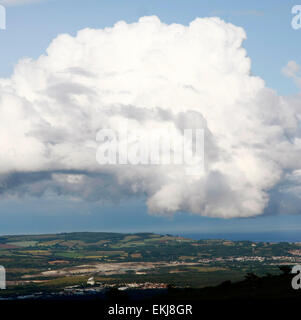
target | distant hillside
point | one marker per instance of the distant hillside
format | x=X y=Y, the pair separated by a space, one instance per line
x=51 y=262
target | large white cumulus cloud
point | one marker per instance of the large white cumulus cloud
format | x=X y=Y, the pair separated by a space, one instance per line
x=148 y=75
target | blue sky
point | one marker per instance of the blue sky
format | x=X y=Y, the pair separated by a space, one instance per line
x=271 y=44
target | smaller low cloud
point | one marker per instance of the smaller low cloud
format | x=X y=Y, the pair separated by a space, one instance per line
x=9 y=3
x=292 y=70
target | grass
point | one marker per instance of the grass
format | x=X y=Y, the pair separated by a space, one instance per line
x=23 y=244
x=208 y=269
